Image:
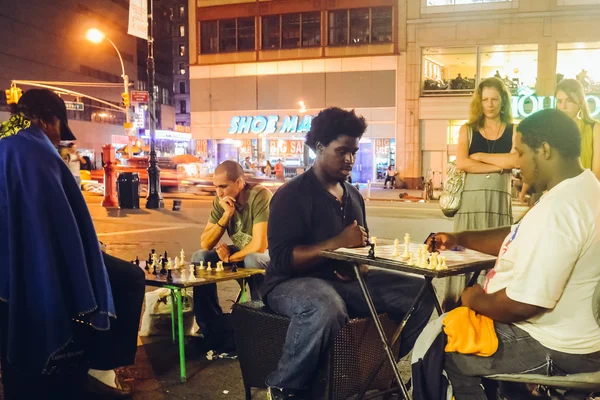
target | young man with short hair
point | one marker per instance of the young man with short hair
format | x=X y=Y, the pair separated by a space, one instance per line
x=242 y=210
x=539 y=294
x=319 y=210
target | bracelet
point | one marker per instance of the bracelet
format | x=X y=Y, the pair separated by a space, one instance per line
x=221 y=226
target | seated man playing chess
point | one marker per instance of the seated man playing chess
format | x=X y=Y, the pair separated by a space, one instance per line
x=241 y=210
x=319 y=210
x=539 y=294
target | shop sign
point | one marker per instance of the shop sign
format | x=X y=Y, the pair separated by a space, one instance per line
x=270 y=124
x=527 y=103
x=202 y=146
x=183 y=128
x=382 y=146
x=245 y=146
x=287 y=148
x=74 y=105
x=163 y=134
x=139 y=96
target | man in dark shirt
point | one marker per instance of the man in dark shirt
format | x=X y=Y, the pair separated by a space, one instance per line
x=318 y=211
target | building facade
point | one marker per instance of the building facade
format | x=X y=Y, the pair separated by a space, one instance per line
x=46 y=42
x=259 y=71
x=530 y=44
x=180 y=64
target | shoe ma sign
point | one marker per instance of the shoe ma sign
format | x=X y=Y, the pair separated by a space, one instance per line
x=270 y=124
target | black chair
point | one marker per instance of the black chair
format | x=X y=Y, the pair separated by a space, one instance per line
x=260 y=334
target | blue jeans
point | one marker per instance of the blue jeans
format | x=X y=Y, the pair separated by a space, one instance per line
x=518 y=353
x=206 y=301
x=320 y=308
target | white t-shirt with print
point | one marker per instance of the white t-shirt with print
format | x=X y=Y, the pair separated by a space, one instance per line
x=551 y=259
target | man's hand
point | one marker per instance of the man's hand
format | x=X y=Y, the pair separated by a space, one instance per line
x=352 y=236
x=443 y=241
x=228 y=204
x=471 y=294
x=223 y=252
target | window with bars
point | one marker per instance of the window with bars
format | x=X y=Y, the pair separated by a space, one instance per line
x=288 y=31
x=359 y=26
x=227 y=35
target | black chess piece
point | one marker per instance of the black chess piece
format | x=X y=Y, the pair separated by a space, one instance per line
x=433 y=249
x=149 y=261
x=163 y=270
x=169 y=276
x=166 y=256
x=137 y=261
x=234 y=268
x=372 y=251
x=153 y=252
x=154 y=272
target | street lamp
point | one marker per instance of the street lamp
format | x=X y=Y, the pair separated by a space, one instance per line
x=96 y=36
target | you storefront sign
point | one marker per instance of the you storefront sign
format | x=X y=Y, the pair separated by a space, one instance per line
x=527 y=103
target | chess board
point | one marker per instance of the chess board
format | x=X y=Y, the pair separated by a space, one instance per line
x=458 y=261
x=203 y=277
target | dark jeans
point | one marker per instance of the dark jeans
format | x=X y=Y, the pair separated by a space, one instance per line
x=206 y=301
x=320 y=308
x=392 y=180
x=102 y=349
x=518 y=353
x=117 y=346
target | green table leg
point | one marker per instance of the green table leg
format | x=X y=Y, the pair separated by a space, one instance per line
x=173 y=305
x=243 y=292
x=182 y=370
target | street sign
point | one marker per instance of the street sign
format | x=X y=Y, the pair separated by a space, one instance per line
x=139 y=96
x=74 y=106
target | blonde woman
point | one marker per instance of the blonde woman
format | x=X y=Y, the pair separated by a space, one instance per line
x=570 y=99
x=484 y=150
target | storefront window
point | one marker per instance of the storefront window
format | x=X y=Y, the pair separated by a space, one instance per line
x=271 y=33
x=311 y=29
x=456 y=70
x=579 y=61
x=516 y=65
x=453 y=130
x=385 y=156
x=449 y=71
x=358 y=26
x=290 y=31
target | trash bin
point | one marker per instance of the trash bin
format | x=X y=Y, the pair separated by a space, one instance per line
x=128 y=190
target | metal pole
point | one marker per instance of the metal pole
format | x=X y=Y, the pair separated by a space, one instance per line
x=154 y=199
x=126 y=91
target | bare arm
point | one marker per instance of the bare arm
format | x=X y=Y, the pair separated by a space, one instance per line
x=596 y=151
x=258 y=244
x=486 y=241
x=498 y=306
x=464 y=162
x=213 y=232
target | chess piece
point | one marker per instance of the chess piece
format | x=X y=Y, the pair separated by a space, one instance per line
x=395 y=254
x=165 y=255
x=234 y=268
x=410 y=259
x=183 y=275
x=372 y=251
x=406 y=253
x=192 y=277
x=176 y=264
x=137 y=261
x=201 y=265
x=169 y=275
x=163 y=263
x=434 y=260
x=169 y=263
x=182 y=257
x=443 y=264
x=209 y=268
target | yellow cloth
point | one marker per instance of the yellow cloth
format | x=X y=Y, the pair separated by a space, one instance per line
x=470 y=333
x=587 y=143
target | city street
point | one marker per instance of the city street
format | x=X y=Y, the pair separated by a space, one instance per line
x=131 y=233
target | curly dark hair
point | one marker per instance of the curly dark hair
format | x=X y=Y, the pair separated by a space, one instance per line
x=554 y=127
x=332 y=123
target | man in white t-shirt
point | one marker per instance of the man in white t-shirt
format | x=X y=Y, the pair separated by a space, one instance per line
x=539 y=294
x=74 y=161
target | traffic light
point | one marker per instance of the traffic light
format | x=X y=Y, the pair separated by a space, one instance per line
x=13 y=95
x=125 y=97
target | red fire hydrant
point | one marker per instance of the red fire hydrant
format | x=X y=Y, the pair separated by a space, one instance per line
x=110 y=175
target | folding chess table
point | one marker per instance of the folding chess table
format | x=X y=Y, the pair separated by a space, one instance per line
x=459 y=262
x=203 y=277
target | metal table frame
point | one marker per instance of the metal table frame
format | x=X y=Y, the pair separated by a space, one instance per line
x=204 y=278
x=393 y=265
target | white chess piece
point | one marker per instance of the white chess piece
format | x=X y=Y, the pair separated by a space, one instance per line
x=410 y=259
x=182 y=255
x=443 y=265
x=209 y=268
x=434 y=260
x=219 y=266
x=177 y=264
x=406 y=246
x=183 y=275
x=395 y=248
x=201 y=266
x=169 y=263
x=423 y=260
x=192 y=277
